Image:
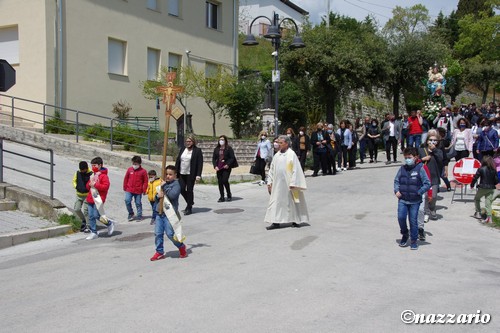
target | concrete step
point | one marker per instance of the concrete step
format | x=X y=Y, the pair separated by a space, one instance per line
x=6 y=204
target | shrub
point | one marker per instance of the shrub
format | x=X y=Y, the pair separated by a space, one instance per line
x=72 y=220
x=121 y=109
x=57 y=125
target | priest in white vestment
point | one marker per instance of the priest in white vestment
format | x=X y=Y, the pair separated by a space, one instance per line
x=286 y=183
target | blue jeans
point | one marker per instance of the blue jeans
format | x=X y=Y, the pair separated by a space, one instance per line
x=362 y=149
x=153 y=207
x=93 y=217
x=410 y=210
x=414 y=140
x=162 y=225
x=138 y=203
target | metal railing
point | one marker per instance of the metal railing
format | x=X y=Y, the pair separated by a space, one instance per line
x=79 y=123
x=51 y=163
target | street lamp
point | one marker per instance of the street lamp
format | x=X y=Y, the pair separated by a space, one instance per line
x=274 y=33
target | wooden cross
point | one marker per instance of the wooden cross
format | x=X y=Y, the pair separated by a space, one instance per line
x=169 y=93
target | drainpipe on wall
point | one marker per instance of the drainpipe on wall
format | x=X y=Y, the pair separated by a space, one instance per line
x=235 y=36
x=59 y=57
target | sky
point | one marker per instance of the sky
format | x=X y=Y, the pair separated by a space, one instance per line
x=380 y=9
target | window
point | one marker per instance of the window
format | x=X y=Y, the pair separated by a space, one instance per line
x=153 y=63
x=211 y=71
x=174 y=62
x=173 y=7
x=117 y=52
x=152 y=4
x=213 y=14
x=9 y=44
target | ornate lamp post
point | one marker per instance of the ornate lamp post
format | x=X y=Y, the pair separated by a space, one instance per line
x=274 y=33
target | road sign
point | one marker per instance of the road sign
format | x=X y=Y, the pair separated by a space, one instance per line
x=465 y=169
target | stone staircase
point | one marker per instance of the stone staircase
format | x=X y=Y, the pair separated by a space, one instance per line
x=243 y=149
x=6 y=119
x=6 y=204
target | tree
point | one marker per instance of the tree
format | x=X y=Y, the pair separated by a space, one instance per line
x=212 y=88
x=472 y=7
x=242 y=101
x=412 y=49
x=478 y=46
x=347 y=55
x=406 y=23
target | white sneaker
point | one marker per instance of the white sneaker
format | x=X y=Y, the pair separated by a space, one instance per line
x=426 y=218
x=344 y=169
x=92 y=235
x=339 y=169
x=111 y=227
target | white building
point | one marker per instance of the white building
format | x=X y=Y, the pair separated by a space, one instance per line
x=250 y=9
x=89 y=54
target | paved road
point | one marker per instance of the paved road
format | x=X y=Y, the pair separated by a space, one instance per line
x=342 y=273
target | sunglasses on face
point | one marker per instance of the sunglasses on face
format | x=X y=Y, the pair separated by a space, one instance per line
x=433 y=141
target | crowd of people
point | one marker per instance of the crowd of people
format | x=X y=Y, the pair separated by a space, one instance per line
x=428 y=147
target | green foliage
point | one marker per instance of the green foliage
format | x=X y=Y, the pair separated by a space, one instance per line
x=292 y=101
x=478 y=36
x=257 y=57
x=241 y=105
x=482 y=75
x=156 y=143
x=472 y=7
x=446 y=29
x=130 y=138
x=406 y=23
x=214 y=90
x=58 y=125
x=71 y=220
x=346 y=56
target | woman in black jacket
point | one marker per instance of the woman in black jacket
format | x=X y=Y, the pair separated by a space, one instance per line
x=487 y=174
x=223 y=161
x=189 y=165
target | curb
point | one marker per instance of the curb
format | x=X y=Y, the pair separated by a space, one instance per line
x=11 y=239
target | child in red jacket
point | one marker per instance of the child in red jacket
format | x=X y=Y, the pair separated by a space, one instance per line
x=98 y=186
x=135 y=184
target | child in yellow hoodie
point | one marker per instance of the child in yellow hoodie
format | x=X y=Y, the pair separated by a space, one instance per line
x=153 y=183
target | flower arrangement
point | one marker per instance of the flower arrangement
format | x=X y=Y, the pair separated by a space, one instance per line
x=432 y=109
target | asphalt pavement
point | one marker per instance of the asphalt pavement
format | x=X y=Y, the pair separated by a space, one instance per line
x=343 y=272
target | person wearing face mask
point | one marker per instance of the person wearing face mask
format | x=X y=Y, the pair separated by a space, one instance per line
x=345 y=144
x=153 y=183
x=332 y=148
x=263 y=155
x=135 y=183
x=223 y=160
x=410 y=185
x=462 y=140
x=189 y=163
x=373 y=135
x=487 y=142
x=291 y=134
x=319 y=140
x=432 y=156
x=98 y=187
x=302 y=143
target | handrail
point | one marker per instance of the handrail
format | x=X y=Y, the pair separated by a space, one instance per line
x=51 y=163
x=77 y=123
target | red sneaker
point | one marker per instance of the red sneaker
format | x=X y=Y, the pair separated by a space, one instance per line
x=157 y=256
x=182 y=251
